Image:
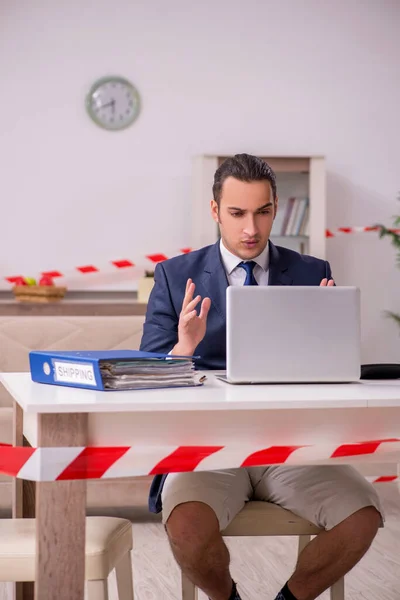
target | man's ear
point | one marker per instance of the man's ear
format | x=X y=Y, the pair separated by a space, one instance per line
x=214 y=211
x=275 y=206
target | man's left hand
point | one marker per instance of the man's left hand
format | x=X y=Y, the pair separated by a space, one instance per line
x=327 y=282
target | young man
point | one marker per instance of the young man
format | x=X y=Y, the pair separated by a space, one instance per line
x=197 y=506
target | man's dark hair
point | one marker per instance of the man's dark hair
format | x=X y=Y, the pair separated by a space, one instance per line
x=243 y=167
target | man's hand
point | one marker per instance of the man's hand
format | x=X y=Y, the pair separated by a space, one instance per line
x=327 y=283
x=192 y=327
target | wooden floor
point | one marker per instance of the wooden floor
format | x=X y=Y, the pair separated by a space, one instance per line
x=262 y=565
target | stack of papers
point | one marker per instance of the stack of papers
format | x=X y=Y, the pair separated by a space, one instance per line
x=147 y=373
x=113 y=369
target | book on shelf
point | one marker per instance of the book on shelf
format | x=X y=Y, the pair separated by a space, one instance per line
x=305 y=224
x=295 y=219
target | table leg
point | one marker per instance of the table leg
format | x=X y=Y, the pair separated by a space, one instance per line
x=60 y=517
x=23 y=499
x=17 y=439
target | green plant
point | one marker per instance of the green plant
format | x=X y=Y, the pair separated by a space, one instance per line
x=394 y=234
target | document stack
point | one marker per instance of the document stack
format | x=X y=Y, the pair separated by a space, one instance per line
x=144 y=373
x=112 y=369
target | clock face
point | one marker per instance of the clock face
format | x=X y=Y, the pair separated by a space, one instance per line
x=113 y=103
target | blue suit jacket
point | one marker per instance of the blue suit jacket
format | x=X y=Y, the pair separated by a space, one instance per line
x=205 y=268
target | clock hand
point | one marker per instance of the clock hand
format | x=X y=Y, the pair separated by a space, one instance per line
x=112 y=103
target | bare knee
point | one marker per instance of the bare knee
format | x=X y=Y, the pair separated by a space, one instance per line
x=198 y=547
x=370 y=519
x=365 y=524
x=192 y=526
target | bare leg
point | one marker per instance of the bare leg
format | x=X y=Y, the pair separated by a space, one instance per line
x=199 y=549
x=334 y=553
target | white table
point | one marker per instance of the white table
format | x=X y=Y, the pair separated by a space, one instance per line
x=241 y=419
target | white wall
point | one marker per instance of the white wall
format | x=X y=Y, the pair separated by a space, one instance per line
x=218 y=76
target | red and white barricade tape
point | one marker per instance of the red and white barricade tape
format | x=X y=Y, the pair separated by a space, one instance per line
x=339 y=231
x=384 y=479
x=150 y=260
x=55 y=464
x=121 y=265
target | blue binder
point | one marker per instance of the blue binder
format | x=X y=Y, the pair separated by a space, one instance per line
x=80 y=369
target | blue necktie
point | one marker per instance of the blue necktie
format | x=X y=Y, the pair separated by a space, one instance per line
x=248 y=267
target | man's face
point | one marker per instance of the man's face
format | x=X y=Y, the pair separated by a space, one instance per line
x=245 y=216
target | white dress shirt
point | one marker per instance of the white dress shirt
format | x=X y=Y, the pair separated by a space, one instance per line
x=236 y=275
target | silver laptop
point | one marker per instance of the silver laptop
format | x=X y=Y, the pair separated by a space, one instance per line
x=289 y=334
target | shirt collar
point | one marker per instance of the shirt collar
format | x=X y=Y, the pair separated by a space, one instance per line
x=231 y=261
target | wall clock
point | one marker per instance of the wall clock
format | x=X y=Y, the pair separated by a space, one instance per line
x=113 y=103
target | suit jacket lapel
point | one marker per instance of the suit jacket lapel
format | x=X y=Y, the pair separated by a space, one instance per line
x=215 y=280
x=277 y=268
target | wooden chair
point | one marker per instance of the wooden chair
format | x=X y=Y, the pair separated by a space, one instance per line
x=108 y=546
x=266 y=519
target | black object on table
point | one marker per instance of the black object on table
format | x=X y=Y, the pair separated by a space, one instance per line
x=380 y=371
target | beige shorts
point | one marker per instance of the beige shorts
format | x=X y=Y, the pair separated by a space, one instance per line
x=325 y=495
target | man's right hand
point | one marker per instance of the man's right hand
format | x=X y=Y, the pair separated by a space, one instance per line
x=192 y=327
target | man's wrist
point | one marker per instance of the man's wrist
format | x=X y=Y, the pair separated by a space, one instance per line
x=182 y=350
